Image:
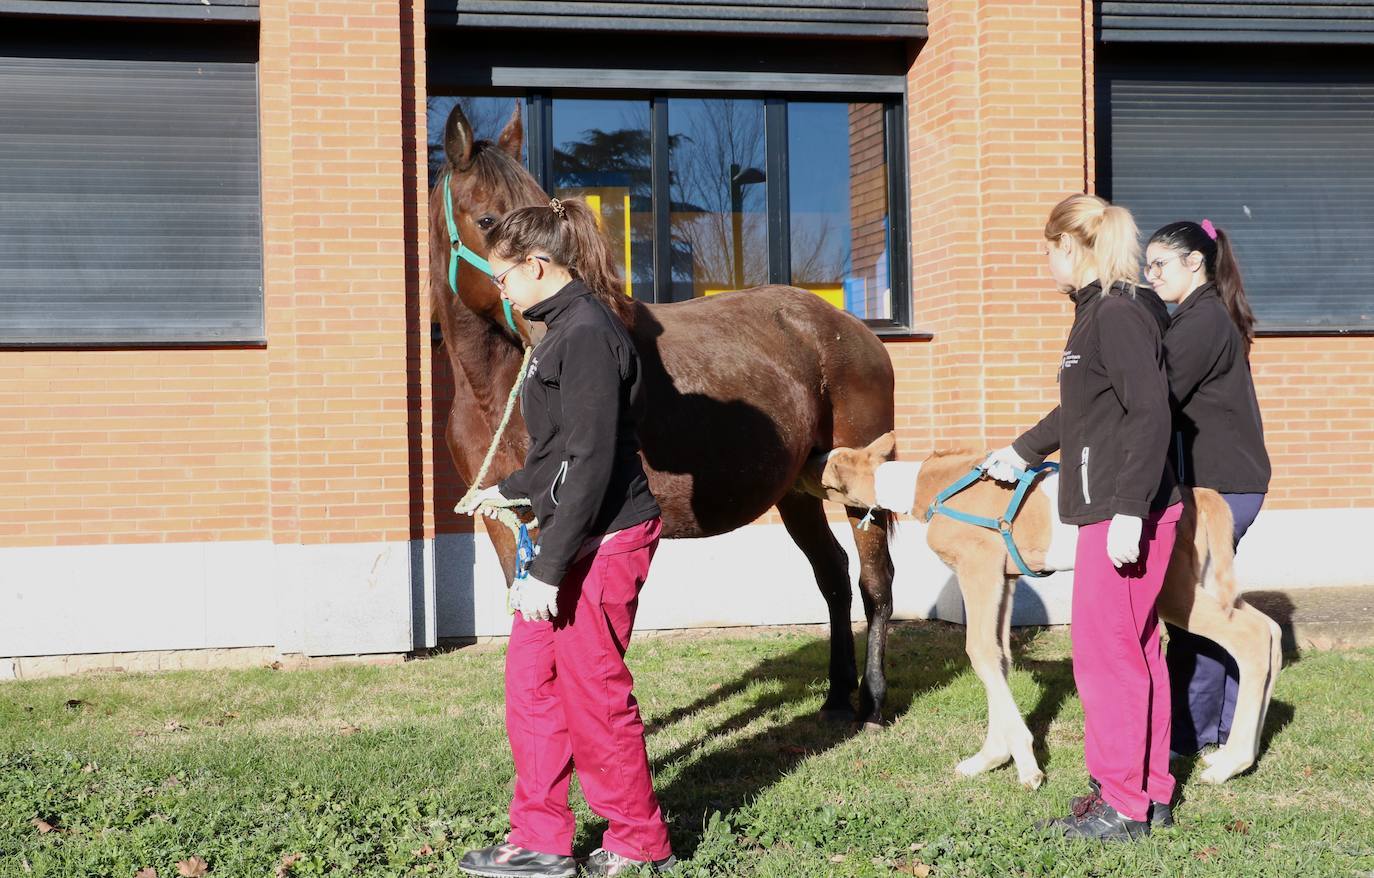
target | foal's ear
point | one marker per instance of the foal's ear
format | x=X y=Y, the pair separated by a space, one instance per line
x=882 y=447
x=458 y=139
x=513 y=135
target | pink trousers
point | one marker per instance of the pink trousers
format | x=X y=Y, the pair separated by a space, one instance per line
x=569 y=701
x=1119 y=668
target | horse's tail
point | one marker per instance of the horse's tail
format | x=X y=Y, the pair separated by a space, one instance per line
x=1215 y=538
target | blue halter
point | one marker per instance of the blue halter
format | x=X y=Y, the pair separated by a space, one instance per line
x=459 y=250
x=1001 y=525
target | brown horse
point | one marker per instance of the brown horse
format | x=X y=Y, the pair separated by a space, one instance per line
x=744 y=391
x=1199 y=593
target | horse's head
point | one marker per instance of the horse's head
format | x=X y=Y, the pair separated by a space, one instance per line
x=480 y=182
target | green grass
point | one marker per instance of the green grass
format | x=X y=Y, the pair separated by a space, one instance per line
x=753 y=783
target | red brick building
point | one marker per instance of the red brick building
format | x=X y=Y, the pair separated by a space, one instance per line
x=218 y=377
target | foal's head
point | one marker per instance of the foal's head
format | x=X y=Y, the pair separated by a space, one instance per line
x=485 y=180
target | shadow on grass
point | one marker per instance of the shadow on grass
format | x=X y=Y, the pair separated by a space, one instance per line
x=922 y=658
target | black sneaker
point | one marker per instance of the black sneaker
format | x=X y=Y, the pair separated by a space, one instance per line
x=512 y=861
x=1161 y=813
x=604 y=862
x=1093 y=818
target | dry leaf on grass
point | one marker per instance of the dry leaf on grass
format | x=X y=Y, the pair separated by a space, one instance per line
x=1240 y=827
x=349 y=729
x=838 y=858
x=89 y=768
x=192 y=868
x=284 y=867
x=148 y=872
x=424 y=851
x=1205 y=854
x=920 y=870
x=276 y=666
x=173 y=725
x=43 y=826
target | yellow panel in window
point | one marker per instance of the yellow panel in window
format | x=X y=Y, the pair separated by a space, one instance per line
x=833 y=295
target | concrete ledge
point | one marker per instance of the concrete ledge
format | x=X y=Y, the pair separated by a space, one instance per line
x=36 y=667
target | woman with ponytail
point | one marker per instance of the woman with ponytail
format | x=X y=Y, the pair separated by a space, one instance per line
x=1218 y=439
x=1112 y=427
x=569 y=698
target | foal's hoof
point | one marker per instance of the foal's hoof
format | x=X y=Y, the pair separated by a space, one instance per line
x=1033 y=781
x=1222 y=769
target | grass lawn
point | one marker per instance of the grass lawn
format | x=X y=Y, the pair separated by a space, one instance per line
x=396 y=771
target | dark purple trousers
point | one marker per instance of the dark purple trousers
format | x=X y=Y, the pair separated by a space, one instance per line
x=1203 y=678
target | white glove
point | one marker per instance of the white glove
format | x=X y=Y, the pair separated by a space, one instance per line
x=1003 y=463
x=1123 y=539
x=536 y=600
x=513 y=596
x=478 y=501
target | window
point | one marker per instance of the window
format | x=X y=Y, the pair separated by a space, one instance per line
x=702 y=194
x=129 y=194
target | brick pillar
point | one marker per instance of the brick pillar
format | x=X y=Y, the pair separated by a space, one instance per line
x=997 y=137
x=340 y=239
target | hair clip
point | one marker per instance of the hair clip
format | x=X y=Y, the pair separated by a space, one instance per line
x=557 y=207
x=1210 y=229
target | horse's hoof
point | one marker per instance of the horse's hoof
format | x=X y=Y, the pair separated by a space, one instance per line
x=837 y=715
x=1210 y=756
x=1033 y=781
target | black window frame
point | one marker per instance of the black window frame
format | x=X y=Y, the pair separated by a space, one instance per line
x=776 y=85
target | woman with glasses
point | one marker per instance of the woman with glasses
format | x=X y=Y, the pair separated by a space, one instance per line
x=1112 y=429
x=569 y=695
x=1218 y=439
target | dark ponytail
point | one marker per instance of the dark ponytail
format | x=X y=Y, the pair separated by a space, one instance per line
x=565 y=229
x=1219 y=259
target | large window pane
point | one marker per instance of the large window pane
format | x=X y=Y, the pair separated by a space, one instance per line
x=839 y=210
x=719 y=200
x=487 y=115
x=602 y=153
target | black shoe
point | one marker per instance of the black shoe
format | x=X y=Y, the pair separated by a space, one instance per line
x=1095 y=819
x=604 y=862
x=512 y=861
x=1161 y=813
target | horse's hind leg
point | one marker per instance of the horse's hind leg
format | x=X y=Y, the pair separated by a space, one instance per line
x=804 y=518
x=875 y=585
x=987 y=605
x=1251 y=638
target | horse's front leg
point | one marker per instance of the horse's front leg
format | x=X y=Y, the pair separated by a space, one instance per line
x=875 y=586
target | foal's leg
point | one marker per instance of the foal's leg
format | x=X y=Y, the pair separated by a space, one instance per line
x=1250 y=637
x=875 y=586
x=804 y=518
x=987 y=604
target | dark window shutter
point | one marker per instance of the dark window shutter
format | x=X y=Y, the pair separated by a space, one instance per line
x=1265 y=21
x=1283 y=163
x=129 y=201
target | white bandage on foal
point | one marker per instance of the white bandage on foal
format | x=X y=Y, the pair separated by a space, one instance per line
x=1063 y=537
x=894 y=485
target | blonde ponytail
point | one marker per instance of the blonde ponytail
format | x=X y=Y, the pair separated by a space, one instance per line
x=1109 y=242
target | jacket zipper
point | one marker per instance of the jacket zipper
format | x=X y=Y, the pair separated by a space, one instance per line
x=557 y=480
x=1083 y=475
x=1178 y=444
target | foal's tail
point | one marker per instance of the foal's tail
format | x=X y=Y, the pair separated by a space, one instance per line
x=1215 y=545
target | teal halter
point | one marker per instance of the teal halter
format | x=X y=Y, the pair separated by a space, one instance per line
x=459 y=250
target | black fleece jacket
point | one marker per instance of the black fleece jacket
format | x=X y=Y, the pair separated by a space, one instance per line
x=1219 y=435
x=1113 y=421
x=582 y=398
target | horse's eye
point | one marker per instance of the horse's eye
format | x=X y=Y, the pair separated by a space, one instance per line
x=486 y=222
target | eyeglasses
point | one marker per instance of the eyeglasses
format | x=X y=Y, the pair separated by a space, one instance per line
x=500 y=279
x=1157 y=266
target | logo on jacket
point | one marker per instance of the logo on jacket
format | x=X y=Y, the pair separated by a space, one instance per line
x=533 y=370
x=1069 y=360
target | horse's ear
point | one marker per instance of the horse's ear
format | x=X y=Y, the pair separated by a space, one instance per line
x=513 y=135
x=458 y=139
x=882 y=447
